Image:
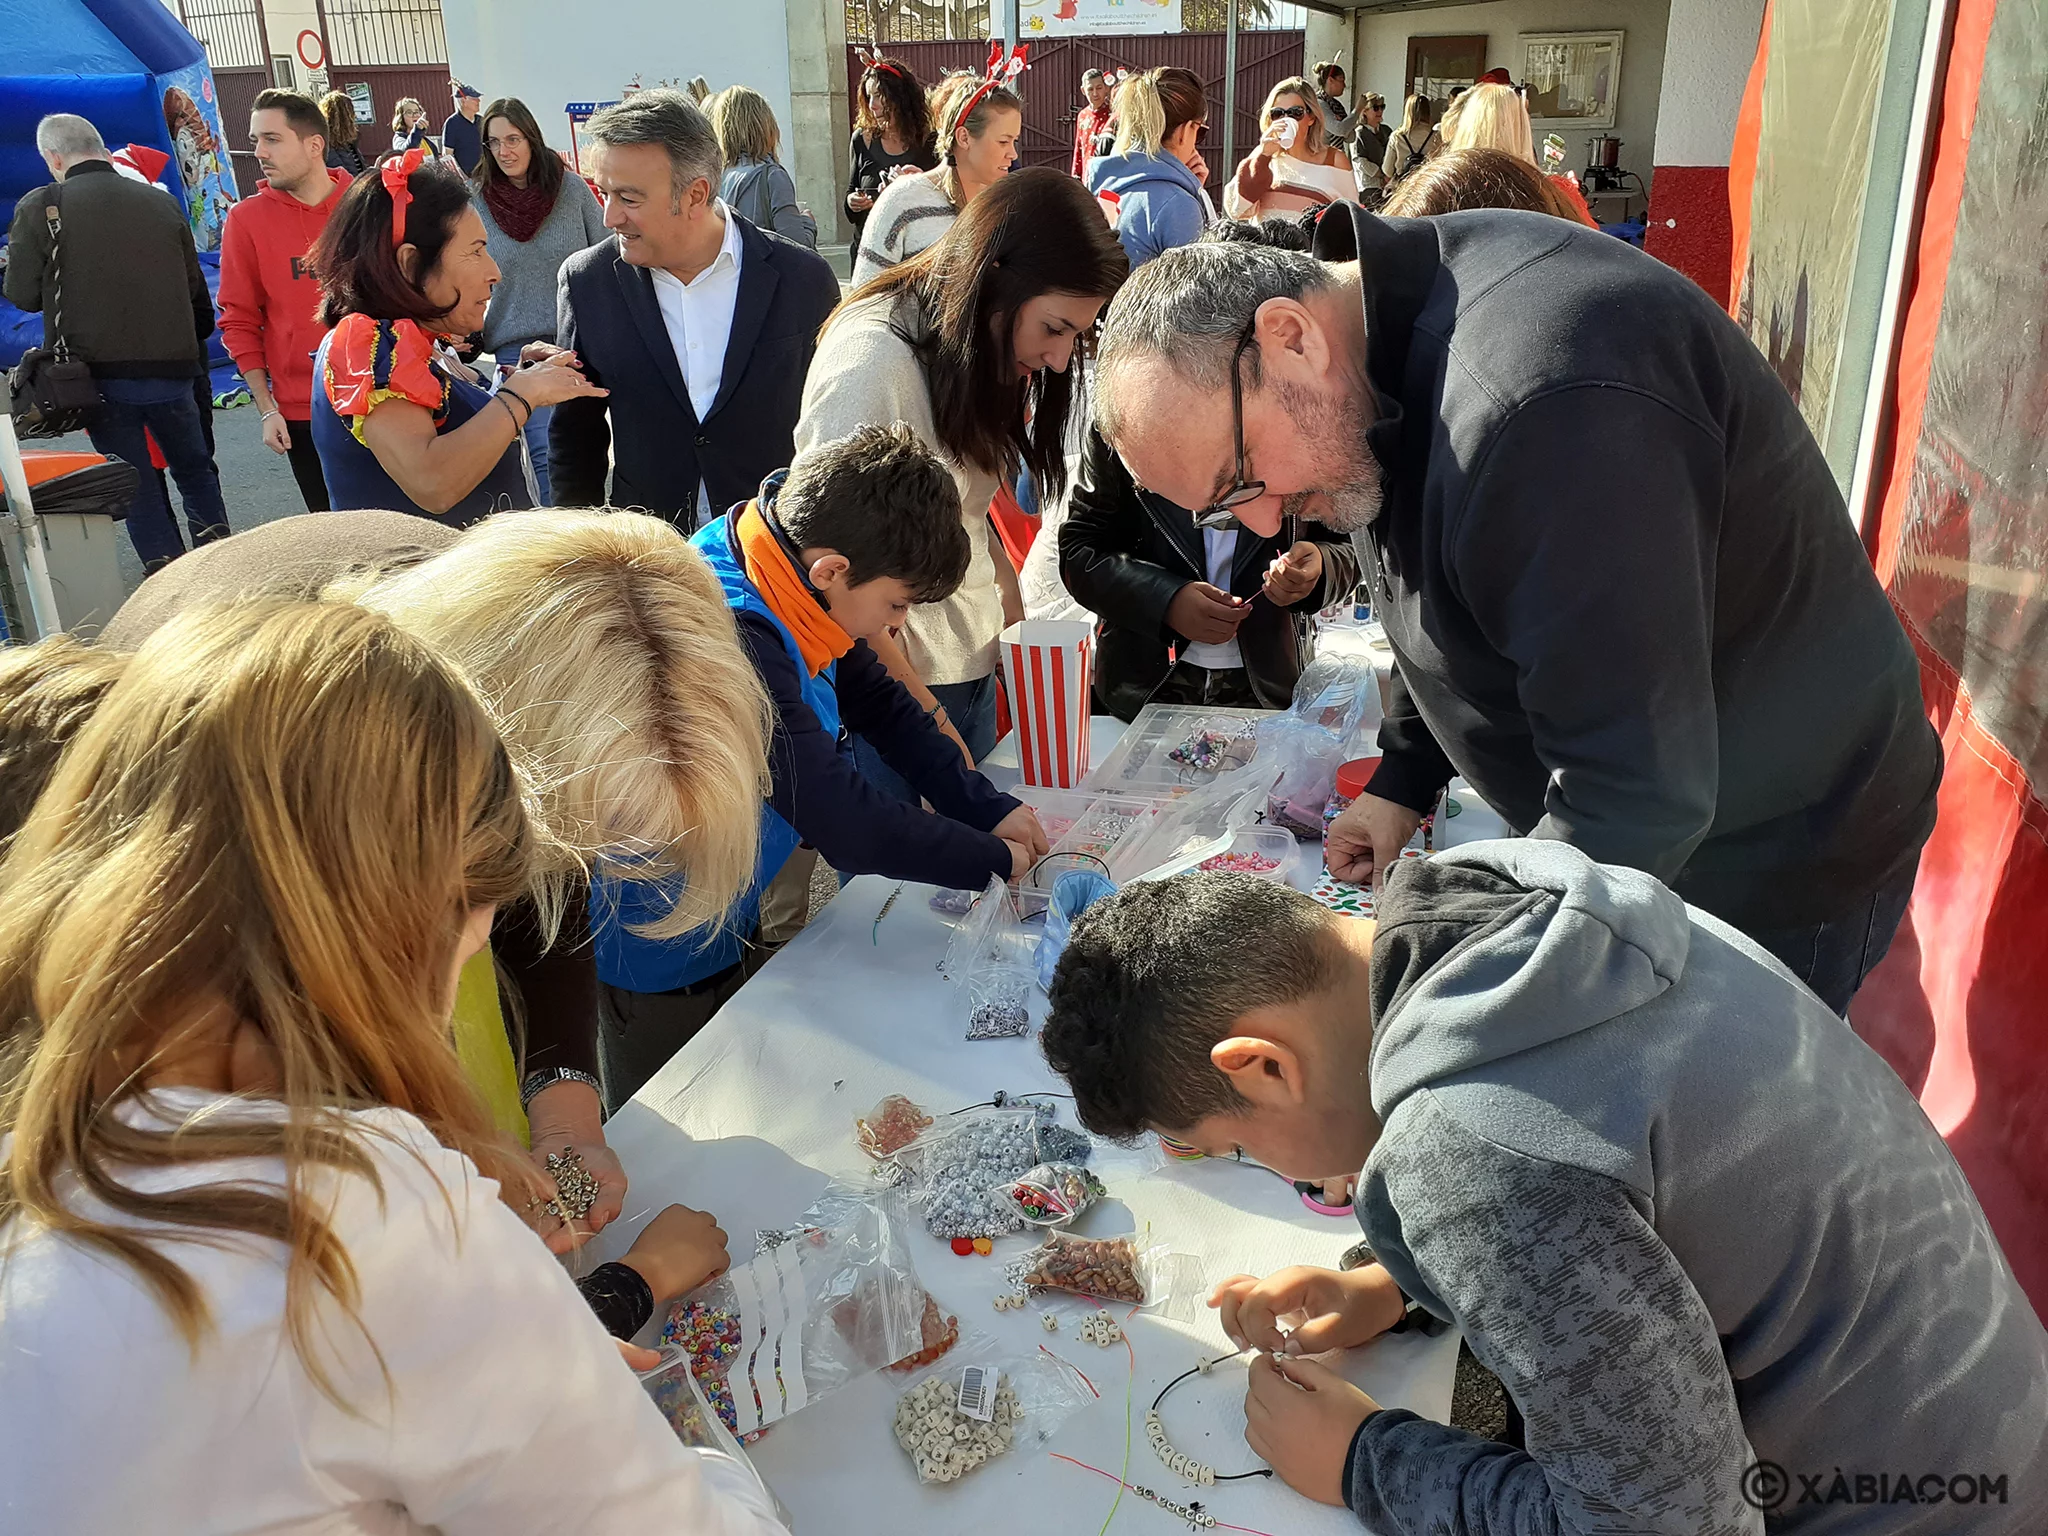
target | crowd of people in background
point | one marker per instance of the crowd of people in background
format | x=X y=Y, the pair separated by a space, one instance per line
x=645 y=564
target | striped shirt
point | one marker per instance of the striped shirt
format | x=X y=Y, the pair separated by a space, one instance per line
x=911 y=213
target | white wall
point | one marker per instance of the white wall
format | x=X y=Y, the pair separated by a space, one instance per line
x=547 y=54
x=1383 y=57
x=1708 y=50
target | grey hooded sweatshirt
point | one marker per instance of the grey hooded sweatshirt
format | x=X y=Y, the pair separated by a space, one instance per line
x=1710 y=1244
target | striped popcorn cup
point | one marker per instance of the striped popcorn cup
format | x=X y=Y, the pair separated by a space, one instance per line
x=1048 y=670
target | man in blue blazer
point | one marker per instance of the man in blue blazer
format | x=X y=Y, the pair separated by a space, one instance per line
x=700 y=325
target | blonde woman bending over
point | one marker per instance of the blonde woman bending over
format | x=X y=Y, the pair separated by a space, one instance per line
x=256 y=1272
x=603 y=647
x=1293 y=167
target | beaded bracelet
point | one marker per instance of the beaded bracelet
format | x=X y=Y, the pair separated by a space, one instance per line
x=1179 y=1462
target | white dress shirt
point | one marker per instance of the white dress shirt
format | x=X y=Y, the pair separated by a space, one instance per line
x=509 y=1414
x=1221 y=547
x=698 y=315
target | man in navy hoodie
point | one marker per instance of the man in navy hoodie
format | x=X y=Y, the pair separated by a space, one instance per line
x=1723 y=1265
x=834 y=550
x=1690 y=671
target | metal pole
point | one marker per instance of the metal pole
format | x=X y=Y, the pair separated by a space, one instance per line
x=1013 y=28
x=42 y=597
x=1229 y=167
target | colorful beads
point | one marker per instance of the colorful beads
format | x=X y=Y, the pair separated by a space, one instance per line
x=982 y=1246
x=1240 y=863
x=963 y=1246
x=711 y=1338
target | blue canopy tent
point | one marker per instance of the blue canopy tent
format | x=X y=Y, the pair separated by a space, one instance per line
x=133 y=70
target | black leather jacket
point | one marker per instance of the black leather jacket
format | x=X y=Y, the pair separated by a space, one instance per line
x=1125 y=552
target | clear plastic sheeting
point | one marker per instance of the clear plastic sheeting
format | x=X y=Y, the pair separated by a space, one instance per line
x=1973 y=542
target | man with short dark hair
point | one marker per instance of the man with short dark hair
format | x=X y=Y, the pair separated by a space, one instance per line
x=1707 y=1240
x=831 y=553
x=111 y=264
x=1092 y=121
x=462 y=135
x=1699 y=677
x=701 y=326
x=267 y=291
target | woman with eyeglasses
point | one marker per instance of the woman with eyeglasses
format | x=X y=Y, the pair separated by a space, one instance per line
x=1156 y=176
x=537 y=214
x=1294 y=167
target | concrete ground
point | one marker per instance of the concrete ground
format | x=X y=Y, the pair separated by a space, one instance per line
x=256 y=484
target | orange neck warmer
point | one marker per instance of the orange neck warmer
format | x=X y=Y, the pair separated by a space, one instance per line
x=775 y=576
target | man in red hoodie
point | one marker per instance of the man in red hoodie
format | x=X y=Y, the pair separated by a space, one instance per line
x=267 y=292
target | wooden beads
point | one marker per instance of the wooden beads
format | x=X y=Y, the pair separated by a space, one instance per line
x=1177 y=1462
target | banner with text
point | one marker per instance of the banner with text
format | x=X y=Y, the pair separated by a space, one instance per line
x=1073 y=18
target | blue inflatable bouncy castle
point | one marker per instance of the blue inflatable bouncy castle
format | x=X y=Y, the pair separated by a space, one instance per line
x=133 y=70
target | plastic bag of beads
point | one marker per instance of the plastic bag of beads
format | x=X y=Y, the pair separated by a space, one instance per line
x=999 y=1002
x=991 y=931
x=674 y=1389
x=1306 y=757
x=771 y=1336
x=960 y=1163
x=893 y=1124
x=1117 y=1269
x=1052 y=1194
x=980 y=1404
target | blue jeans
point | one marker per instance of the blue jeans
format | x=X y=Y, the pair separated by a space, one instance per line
x=1833 y=957
x=537 y=454
x=972 y=709
x=167 y=409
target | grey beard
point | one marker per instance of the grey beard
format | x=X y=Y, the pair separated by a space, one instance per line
x=1342 y=508
x=1351 y=499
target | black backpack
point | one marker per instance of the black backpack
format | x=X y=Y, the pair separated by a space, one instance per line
x=1417 y=156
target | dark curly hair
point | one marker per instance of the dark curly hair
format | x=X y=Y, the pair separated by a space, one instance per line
x=881 y=498
x=1155 y=975
x=905 y=99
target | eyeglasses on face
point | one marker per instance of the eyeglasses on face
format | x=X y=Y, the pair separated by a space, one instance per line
x=1221 y=512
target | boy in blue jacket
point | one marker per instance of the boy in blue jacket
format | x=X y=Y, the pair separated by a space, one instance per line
x=1723 y=1265
x=833 y=551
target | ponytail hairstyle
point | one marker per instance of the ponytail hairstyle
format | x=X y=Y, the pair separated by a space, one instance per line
x=287 y=811
x=963 y=103
x=1152 y=107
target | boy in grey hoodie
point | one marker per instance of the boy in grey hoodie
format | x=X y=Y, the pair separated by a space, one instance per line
x=1726 y=1269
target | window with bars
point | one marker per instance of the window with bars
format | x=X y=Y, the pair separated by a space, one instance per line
x=933 y=21
x=372 y=32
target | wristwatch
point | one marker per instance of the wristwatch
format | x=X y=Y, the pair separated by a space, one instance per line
x=546 y=1077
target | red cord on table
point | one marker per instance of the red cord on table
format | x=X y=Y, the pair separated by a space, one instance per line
x=1221 y=1525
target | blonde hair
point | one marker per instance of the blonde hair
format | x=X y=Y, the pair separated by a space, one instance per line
x=1491 y=117
x=47 y=693
x=1417 y=113
x=287 y=810
x=1151 y=107
x=340 y=113
x=1310 y=140
x=745 y=125
x=603 y=646
x=405 y=104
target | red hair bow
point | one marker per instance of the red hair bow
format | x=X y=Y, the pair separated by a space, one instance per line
x=397 y=174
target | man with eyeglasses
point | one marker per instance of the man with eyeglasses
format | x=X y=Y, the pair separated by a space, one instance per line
x=1694 y=673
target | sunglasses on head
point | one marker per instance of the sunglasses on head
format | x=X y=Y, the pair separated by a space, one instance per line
x=1299 y=114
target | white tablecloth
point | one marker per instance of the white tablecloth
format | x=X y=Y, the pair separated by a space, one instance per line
x=750 y=1119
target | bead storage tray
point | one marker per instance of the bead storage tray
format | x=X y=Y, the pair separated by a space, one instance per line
x=1086 y=830
x=1142 y=761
